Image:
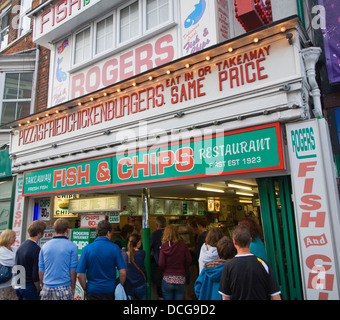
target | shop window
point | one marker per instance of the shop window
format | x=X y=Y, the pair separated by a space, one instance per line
x=157 y=12
x=82 y=46
x=129 y=22
x=24 y=21
x=17 y=93
x=4 y=27
x=104 y=35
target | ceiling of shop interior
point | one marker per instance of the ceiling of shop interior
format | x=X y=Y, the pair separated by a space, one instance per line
x=189 y=190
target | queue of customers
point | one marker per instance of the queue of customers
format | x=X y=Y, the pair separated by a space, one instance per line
x=51 y=272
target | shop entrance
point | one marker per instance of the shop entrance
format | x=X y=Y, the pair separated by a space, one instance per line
x=280 y=234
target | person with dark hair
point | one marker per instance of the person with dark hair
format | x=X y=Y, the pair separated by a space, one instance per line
x=208 y=281
x=99 y=261
x=247 y=277
x=122 y=240
x=28 y=256
x=199 y=228
x=57 y=265
x=136 y=285
x=155 y=245
x=256 y=246
x=208 y=250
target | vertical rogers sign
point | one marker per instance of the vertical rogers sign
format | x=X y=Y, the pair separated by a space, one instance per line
x=315 y=207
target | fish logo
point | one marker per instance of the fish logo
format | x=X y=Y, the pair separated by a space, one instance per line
x=60 y=75
x=196 y=15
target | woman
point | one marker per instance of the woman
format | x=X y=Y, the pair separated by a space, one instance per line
x=208 y=281
x=7 y=258
x=208 y=249
x=136 y=285
x=256 y=247
x=174 y=260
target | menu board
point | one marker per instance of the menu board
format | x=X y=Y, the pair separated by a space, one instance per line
x=95 y=204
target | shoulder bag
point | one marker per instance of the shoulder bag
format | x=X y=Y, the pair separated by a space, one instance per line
x=5 y=273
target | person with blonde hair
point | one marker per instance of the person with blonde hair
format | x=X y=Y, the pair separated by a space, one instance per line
x=174 y=260
x=7 y=258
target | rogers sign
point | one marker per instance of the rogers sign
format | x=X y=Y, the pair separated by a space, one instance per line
x=312 y=208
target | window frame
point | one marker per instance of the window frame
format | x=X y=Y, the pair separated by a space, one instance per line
x=22 y=16
x=74 y=36
x=95 y=28
x=140 y=22
x=17 y=100
x=5 y=30
x=160 y=25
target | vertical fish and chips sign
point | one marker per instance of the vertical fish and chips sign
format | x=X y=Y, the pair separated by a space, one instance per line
x=316 y=202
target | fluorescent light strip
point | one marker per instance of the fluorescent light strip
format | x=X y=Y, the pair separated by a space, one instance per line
x=244 y=193
x=212 y=189
x=238 y=186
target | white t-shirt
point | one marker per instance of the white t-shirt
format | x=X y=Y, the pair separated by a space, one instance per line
x=7 y=258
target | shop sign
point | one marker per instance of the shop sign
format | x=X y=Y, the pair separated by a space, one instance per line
x=98 y=204
x=91 y=220
x=82 y=237
x=61 y=204
x=255 y=149
x=45 y=209
x=315 y=203
x=5 y=164
x=18 y=218
x=227 y=76
x=114 y=217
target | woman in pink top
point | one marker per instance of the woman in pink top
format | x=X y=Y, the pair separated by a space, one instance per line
x=174 y=260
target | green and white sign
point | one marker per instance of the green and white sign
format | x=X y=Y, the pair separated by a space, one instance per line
x=247 y=150
x=83 y=237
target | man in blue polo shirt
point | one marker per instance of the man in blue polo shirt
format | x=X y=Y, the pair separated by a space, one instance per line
x=99 y=261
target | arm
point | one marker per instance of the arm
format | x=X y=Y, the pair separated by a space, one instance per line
x=82 y=280
x=276 y=297
x=225 y=297
x=122 y=276
x=73 y=275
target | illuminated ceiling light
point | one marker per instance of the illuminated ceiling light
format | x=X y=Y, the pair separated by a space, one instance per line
x=209 y=188
x=256 y=40
x=134 y=84
x=150 y=78
x=168 y=71
x=37 y=118
x=47 y=115
x=19 y=124
x=118 y=90
x=238 y=186
x=104 y=94
x=91 y=99
x=187 y=65
x=28 y=121
x=245 y=201
x=283 y=29
x=207 y=58
x=230 y=49
x=79 y=103
x=241 y=193
x=57 y=111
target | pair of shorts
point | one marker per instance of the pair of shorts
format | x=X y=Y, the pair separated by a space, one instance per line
x=56 y=293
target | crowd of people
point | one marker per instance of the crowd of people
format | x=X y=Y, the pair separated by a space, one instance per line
x=226 y=267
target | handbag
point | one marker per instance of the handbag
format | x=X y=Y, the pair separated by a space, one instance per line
x=5 y=273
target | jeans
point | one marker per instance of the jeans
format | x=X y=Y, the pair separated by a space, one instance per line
x=139 y=293
x=173 y=291
x=30 y=293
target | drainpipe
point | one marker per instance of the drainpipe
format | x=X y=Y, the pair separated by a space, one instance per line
x=301 y=13
x=310 y=57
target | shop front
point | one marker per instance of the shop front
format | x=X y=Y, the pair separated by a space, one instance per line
x=203 y=135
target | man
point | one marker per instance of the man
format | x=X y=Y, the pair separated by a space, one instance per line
x=57 y=265
x=27 y=256
x=99 y=261
x=247 y=277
